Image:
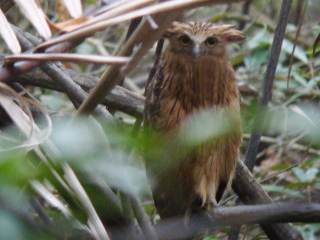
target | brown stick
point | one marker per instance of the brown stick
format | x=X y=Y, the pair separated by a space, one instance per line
x=254 y=141
x=5 y=5
x=247 y=214
x=250 y=192
x=111 y=77
x=74 y=91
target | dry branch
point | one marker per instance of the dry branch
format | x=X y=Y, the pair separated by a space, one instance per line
x=74 y=91
x=164 y=7
x=119 y=98
x=275 y=231
x=179 y=228
x=111 y=77
x=8 y=71
x=250 y=191
x=279 y=34
x=5 y=5
x=66 y=57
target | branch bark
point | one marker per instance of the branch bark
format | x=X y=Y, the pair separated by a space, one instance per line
x=279 y=34
x=119 y=98
x=250 y=192
x=73 y=90
x=178 y=228
x=5 y=5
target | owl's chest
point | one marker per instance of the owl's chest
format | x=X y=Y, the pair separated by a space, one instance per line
x=180 y=90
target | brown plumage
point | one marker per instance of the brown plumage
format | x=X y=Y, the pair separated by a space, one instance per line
x=194 y=74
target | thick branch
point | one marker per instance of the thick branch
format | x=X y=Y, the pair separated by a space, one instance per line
x=265 y=214
x=250 y=192
x=119 y=98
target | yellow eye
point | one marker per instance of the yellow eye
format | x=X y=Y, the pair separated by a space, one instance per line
x=185 y=39
x=210 y=41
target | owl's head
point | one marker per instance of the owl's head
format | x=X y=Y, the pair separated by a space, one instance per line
x=197 y=39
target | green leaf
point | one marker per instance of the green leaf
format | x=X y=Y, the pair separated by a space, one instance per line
x=299 y=53
x=281 y=189
x=305 y=176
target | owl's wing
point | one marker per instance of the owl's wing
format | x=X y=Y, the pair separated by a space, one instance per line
x=152 y=93
x=163 y=110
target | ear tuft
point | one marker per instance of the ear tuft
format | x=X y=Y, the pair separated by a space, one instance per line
x=230 y=34
x=174 y=28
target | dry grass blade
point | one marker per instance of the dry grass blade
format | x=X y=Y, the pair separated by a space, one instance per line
x=84 y=58
x=69 y=25
x=112 y=75
x=74 y=7
x=315 y=45
x=8 y=34
x=113 y=5
x=154 y=9
x=50 y=198
x=121 y=9
x=36 y=16
x=23 y=119
x=94 y=221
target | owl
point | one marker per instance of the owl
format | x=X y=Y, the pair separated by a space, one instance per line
x=194 y=74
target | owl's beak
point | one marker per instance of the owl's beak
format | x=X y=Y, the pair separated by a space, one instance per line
x=196 y=51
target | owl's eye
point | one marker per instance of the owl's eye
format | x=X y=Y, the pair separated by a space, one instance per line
x=210 y=41
x=185 y=39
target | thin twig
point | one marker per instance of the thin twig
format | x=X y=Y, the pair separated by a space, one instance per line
x=156 y=61
x=254 y=141
x=245 y=11
x=66 y=57
x=303 y=4
x=111 y=77
x=143 y=219
x=165 y=7
x=73 y=90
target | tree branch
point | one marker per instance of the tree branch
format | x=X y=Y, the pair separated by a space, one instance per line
x=119 y=98
x=73 y=90
x=250 y=192
x=5 y=5
x=178 y=228
x=268 y=79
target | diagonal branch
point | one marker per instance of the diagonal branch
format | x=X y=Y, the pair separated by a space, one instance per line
x=73 y=90
x=112 y=75
x=250 y=191
x=279 y=34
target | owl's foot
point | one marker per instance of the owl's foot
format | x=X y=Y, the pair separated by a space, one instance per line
x=211 y=205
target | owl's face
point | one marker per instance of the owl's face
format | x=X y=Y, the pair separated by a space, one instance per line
x=196 y=40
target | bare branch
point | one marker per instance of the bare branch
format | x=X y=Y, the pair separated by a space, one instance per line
x=66 y=57
x=269 y=77
x=179 y=228
x=74 y=91
x=250 y=192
